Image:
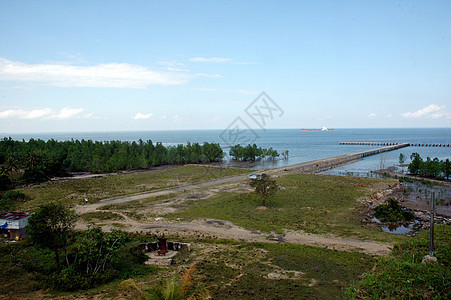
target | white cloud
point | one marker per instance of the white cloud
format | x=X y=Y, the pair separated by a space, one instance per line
x=208 y=75
x=204 y=89
x=8 y=114
x=431 y=110
x=37 y=113
x=110 y=75
x=372 y=115
x=22 y=114
x=46 y=113
x=141 y=116
x=211 y=59
x=66 y=113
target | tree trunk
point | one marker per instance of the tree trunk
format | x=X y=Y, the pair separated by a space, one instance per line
x=57 y=258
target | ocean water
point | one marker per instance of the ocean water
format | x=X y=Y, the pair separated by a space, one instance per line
x=302 y=145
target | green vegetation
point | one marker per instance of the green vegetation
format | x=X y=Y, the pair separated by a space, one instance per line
x=264 y=187
x=93 y=263
x=26 y=268
x=391 y=211
x=252 y=152
x=404 y=276
x=89 y=257
x=72 y=192
x=328 y=271
x=430 y=168
x=312 y=203
x=38 y=160
x=50 y=227
x=11 y=200
x=269 y=270
x=259 y=271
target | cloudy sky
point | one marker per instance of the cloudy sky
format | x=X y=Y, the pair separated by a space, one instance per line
x=158 y=65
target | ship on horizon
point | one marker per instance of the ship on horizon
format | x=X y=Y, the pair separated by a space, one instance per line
x=319 y=129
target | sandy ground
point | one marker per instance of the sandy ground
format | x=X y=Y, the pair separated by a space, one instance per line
x=217 y=228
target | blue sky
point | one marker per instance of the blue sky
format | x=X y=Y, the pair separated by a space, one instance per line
x=159 y=65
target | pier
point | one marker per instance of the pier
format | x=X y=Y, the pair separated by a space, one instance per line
x=394 y=144
x=320 y=165
x=380 y=150
x=336 y=161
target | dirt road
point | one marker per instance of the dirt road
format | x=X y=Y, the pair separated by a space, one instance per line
x=218 y=228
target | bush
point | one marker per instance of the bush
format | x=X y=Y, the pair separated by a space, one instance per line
x=391 y=211
x=11 y=199
x=71 y=279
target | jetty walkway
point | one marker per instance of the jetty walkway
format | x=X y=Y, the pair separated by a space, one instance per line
x=392 y=144
x=337 y=161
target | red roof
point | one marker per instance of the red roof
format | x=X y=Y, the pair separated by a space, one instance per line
x=14 y=215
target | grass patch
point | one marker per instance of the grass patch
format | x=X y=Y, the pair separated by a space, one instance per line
x=136 y=204
x=311 y=203
x=402 y=275
x=102 y=216
x=73 y=192
x=268 y=271
x=328 y=271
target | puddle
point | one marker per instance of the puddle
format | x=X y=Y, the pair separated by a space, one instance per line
x=397 y=229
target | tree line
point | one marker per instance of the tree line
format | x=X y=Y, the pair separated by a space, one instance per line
x=39 y=160
x=433 y=168
x=252 y=152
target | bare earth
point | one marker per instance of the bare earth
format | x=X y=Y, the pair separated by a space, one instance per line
x=217 y=228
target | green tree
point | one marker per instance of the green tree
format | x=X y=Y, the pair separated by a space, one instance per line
x=414 y=166
x=96 y=249
x=264 y=187
x=50 y=227
x=445 y=167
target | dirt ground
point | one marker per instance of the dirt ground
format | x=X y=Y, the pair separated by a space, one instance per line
x=219 y=229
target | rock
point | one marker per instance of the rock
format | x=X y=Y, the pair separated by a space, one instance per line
x=428 y=259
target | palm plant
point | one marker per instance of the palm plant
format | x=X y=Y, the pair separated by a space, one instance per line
x=173 y=289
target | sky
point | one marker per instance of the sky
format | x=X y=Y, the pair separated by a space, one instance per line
x=71 y=66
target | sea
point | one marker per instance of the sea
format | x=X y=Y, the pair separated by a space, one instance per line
x=302 y=146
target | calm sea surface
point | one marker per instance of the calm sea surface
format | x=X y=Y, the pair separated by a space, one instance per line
x=302 y=146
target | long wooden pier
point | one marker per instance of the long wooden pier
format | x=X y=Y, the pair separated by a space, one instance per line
x=336 y=161
x=393 y=144
x=380 y=150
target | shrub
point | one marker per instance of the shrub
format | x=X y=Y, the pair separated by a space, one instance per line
x=11 y=199
x=71 y=279
x=391 y=211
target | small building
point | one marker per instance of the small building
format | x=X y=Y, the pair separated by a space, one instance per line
x=12 y=224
